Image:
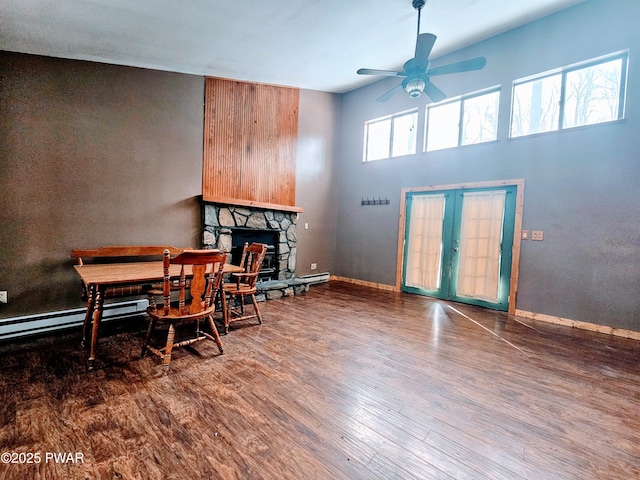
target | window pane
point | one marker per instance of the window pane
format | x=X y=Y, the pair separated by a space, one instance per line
x=404 y=134
x=592 y=94
x=378 y=138
x=480 y=122
x=536 y=106
x=442 y=127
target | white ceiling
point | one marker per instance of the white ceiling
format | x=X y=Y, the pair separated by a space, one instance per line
x=311 y=44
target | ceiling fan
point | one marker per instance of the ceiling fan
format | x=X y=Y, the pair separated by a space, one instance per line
x=416 y=70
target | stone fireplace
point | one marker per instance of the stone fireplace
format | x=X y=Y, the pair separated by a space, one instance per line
x=226 y=227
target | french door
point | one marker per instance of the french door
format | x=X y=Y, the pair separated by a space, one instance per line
x=458 y=245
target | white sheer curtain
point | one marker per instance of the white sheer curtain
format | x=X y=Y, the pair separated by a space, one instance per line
x=424 y=251
x=480 y=238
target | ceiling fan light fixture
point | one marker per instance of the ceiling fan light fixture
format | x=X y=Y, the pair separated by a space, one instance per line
x=414 y=86
x=417 y=70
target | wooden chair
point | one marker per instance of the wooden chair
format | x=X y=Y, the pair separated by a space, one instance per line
x=205 y=267
x=243 y=285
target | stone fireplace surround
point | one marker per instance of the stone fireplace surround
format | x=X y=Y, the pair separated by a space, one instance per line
x=219 y=221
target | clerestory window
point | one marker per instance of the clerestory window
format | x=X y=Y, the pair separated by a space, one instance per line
x=584 y=94
x=391 y=136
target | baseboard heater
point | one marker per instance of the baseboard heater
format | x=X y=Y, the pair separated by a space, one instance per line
x=64 y=319
x=315 y=278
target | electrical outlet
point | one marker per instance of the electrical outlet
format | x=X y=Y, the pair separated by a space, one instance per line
x=537 y=235
x=3 y=297
x=314 y=266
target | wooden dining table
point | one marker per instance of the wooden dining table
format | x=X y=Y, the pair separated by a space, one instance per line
x=97 y=278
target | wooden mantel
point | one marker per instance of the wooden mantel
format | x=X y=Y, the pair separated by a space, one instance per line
x=251 y=204
x=250 y=144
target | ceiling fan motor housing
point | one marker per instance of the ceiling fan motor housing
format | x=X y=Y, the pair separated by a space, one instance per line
x=418 y=4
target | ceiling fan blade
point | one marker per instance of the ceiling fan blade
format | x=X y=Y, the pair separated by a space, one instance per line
x=424 y=44
x=389 y=94
x=373 y=71
x=434 y=93
x=477 y=63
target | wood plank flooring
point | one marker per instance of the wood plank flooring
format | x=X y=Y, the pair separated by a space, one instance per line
x=344 y=382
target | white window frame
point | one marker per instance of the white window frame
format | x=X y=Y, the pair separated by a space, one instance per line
x=462 y=99
x=392 y=118
x=563 y=72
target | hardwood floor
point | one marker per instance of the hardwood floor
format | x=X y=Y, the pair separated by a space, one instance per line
x=344 y=382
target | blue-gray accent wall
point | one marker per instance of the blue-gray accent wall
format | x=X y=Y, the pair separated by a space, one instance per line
x=581 y=185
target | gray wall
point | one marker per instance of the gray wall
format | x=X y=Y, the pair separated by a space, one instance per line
x=581 y=185
x=94 y=154
x=315 y=183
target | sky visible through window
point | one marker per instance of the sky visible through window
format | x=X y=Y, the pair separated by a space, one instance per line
x=392 y=136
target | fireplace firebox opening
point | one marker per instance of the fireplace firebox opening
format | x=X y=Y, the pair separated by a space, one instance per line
x=240 y=236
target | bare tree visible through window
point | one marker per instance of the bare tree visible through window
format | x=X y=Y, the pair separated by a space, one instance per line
x=575 y=97
x=464 y=121
x=404 y=135
x=480 y=119
x=592 y=94
x=536 y=106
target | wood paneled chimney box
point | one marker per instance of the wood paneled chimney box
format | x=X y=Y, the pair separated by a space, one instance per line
x=250 y=144
x=249 y=175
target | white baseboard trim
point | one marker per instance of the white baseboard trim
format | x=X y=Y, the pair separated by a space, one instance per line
x=593 y=327
x=64 y=319
x=380 y=286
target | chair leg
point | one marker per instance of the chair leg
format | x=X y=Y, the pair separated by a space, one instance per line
x=242 y=305
x=255 y=306
x=225 y=311
x=167 y=349
x=230 y=311
x=152 y=324
x=214 y=332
